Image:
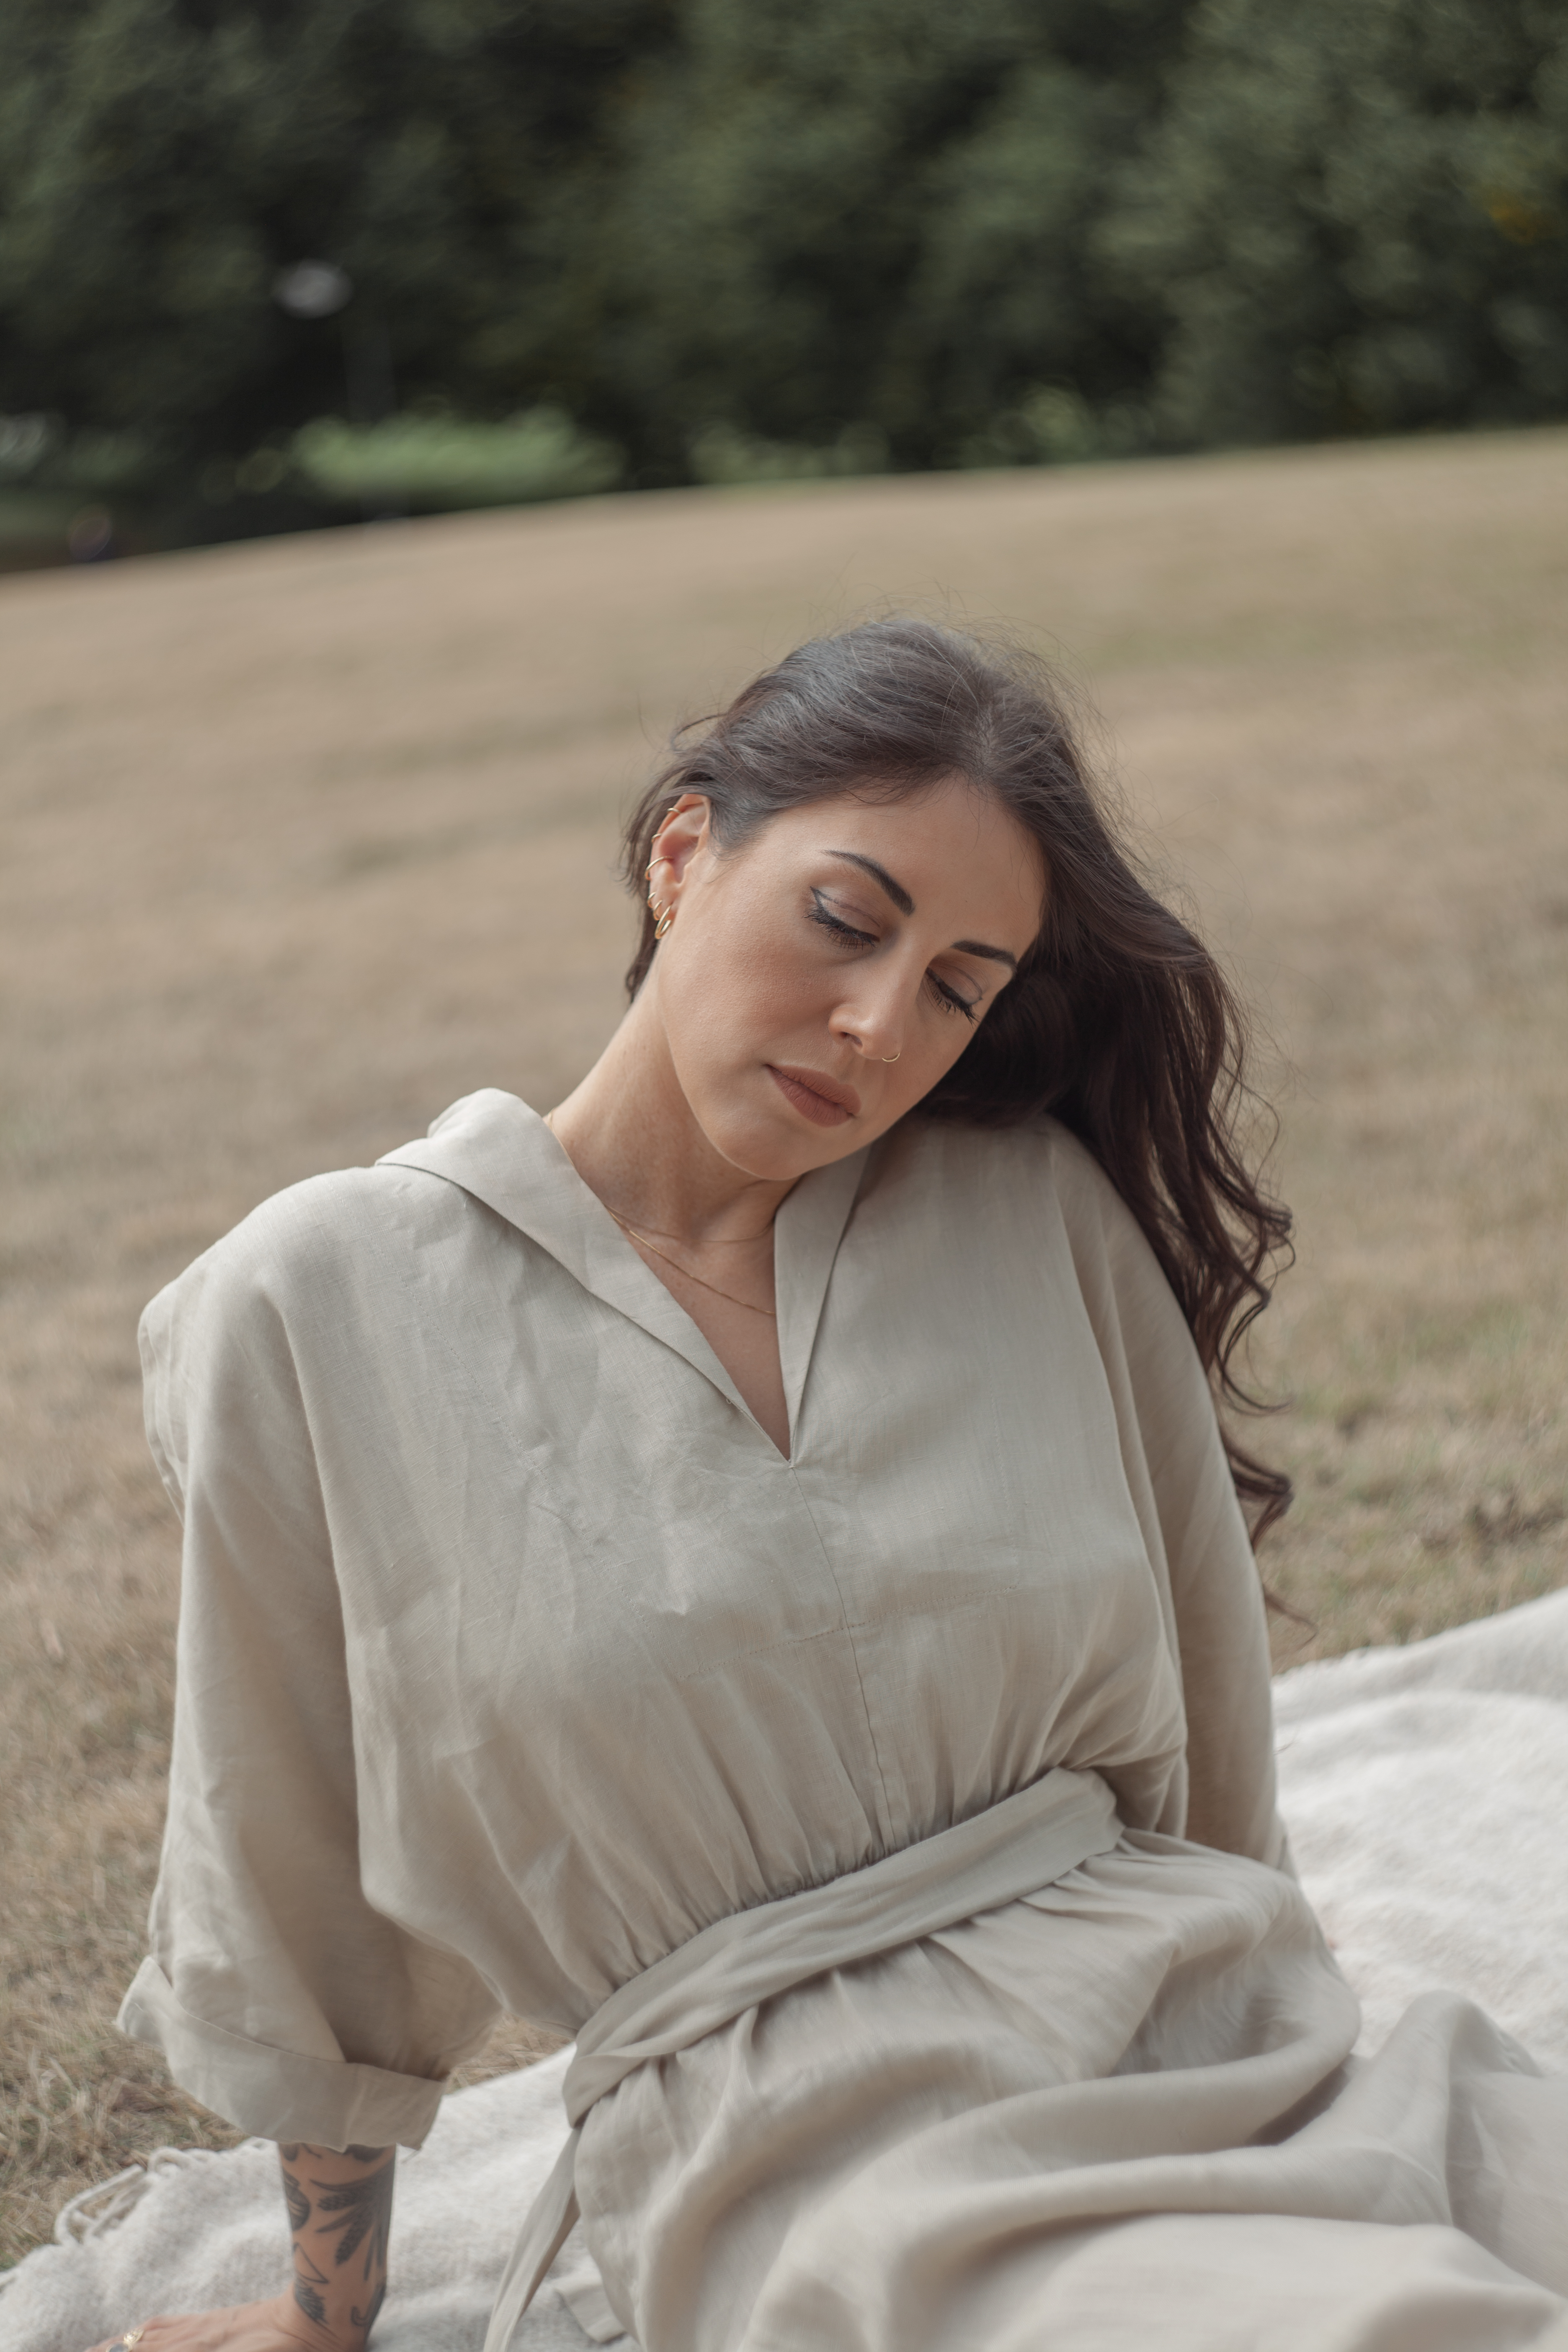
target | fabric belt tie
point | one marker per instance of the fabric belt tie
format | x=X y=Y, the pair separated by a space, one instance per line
x=1026 y=1842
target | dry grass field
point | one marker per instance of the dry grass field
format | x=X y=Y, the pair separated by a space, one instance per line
x=303 y=840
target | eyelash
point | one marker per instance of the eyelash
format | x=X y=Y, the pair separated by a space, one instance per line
x=948 y=999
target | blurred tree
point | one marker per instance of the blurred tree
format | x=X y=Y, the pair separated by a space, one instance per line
x=1354 y=217
x=871 y=214
x=161 y=161
x=775 y=236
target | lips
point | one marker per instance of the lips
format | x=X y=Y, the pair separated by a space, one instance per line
x=826 y=1102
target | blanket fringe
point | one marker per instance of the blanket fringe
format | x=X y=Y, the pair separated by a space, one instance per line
x=106 y=2203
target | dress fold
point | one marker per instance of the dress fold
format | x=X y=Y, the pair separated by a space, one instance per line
x=1014 y=1848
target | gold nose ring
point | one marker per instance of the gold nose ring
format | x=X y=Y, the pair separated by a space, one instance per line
x=889 y=1057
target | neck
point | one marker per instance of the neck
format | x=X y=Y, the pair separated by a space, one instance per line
x=629 y=1132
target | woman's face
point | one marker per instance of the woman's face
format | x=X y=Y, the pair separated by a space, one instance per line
x=821 y=977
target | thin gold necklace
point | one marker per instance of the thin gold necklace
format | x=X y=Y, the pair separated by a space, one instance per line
x=772 y=1313
x=631 y=1231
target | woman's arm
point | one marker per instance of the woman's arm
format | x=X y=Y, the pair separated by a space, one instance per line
x=339 y=2214
x=1181 y=1486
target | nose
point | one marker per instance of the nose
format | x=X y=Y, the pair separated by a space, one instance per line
x=873 y=1025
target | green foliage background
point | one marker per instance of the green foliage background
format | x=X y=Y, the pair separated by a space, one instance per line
x=720 y=239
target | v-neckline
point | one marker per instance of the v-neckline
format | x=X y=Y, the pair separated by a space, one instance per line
x=498 y=1149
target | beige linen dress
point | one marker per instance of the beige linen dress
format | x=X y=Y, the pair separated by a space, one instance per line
x=513 y=1657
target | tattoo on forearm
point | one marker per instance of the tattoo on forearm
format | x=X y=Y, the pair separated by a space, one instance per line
x=348 y=2215
x=299 y=2204
x=307 y=2284
x=367 y=2319
x=365 y=2210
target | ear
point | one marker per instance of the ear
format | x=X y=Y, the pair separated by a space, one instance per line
x=685 y=831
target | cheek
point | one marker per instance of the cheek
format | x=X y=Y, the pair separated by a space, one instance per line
x=940 y=1039
x=741 y=978
x=933 y=1059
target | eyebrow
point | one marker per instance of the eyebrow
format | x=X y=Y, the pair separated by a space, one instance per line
x=906 y=906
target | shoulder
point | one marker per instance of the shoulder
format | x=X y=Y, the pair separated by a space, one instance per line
x=1032 y=1194
x=1036 y=1172
x=297 y=1298
x=301 y=1257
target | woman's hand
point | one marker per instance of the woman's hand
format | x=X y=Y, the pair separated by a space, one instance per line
x=276 y=2325
x=340 y=2216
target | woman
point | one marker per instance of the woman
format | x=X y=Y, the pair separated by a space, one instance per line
x=747 y=1570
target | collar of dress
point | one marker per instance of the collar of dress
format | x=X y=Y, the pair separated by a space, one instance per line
x=499 y=1150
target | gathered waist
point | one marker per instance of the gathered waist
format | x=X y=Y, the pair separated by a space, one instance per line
x=1013 y=1848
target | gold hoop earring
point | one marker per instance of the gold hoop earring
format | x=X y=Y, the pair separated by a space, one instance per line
x=889 y=1057
x=665 y=915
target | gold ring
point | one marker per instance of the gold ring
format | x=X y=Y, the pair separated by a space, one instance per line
x=129 y=2342
x=890 y=1057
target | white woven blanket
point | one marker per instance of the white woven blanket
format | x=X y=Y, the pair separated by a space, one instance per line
x=1426 y=1790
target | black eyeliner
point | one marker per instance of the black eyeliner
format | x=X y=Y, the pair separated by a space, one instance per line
x=951 y=996
x=821 y=913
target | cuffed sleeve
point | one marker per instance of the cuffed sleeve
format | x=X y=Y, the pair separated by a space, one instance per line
x=277 y=2093
x=282 y=1999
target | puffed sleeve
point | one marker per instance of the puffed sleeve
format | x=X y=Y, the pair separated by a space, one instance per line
x=281 y=1998
x=1175 y=1459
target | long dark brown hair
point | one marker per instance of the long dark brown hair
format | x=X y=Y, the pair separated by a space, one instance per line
x=1119 y=1022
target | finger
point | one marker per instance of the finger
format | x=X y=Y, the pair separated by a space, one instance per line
x=132 y=2338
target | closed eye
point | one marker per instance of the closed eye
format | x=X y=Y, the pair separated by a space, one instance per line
x=951 y=1000
x=821 y=912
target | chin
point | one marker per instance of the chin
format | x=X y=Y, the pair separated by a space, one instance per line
x=768 y=1142
x=770 y=1157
